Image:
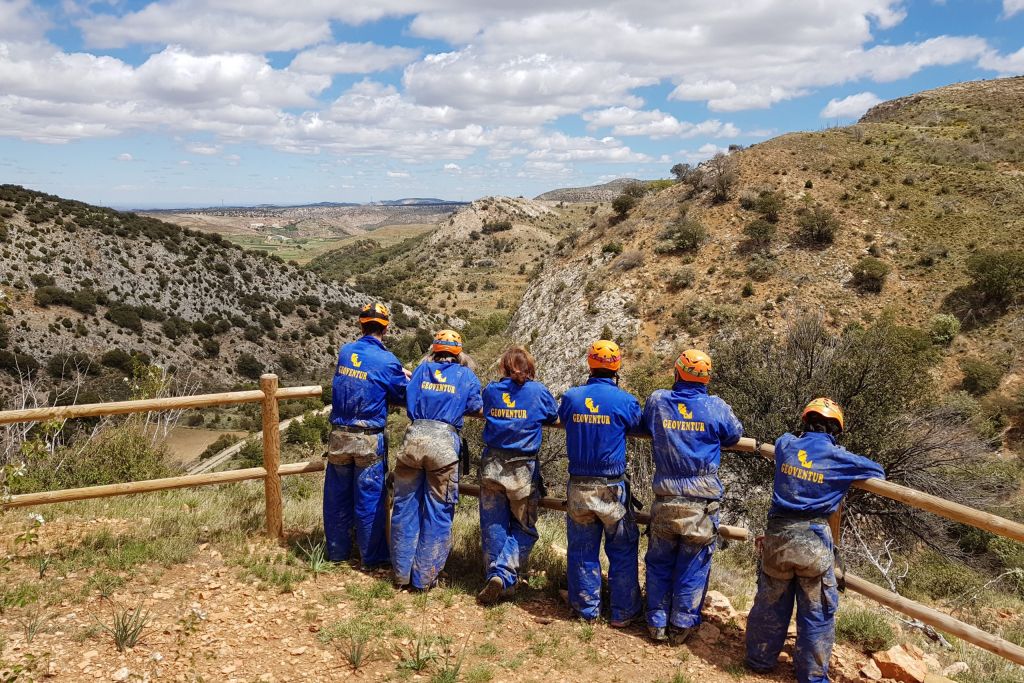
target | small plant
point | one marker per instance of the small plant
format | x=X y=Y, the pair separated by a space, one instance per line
x=865 y=628
x=419 y=656
x=358 y=649
x=869 y=274
x=748 y=289
x=585 y=632
x=451 y=667
x=809 y=184
x=944 y=328
x=980 y=376
x=316 y=556
x=682 y=279
x=611 y=248
x=32 y=624
x=127 y=627
x=629 y=260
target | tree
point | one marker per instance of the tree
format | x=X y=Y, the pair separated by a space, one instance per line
x=681 y=172
x=623 y=204
x=817 y=225
x=759 y=232
x=249 y=366
x=720 y=177
x=769 y=204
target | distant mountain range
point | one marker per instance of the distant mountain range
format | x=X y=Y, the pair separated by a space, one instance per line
x=406 y=201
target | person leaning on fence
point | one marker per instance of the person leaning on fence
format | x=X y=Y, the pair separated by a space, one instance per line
x=597 y=417
x=515 y=408
x=368 y=377
x=688 y=429
x=797 y=561
x=426 y=476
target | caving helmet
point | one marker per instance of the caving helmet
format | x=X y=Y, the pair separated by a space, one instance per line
x=694 y=366
x=375 y=313
x=447 y=341
x=826 y=408
x=604 y=355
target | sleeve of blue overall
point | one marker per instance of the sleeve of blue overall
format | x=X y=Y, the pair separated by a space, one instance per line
x=548 y=406
x=729 y=428
x=474 y=400
x=396 y=382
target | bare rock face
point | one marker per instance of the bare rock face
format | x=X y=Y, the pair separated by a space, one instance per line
x=901 y=664
x=560 y=320
x=487 y=210
x=871 y=671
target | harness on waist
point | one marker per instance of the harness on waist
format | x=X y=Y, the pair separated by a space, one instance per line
x=429 y=445
x=797 y=546
x=348 y=445
x=690 y=519
x=508 y=471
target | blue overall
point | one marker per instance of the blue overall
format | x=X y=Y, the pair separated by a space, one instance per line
x=368 y=377
x=424 y=501
x=597 y=417
x=812 y=474
x=514 y=414
x=688 y=428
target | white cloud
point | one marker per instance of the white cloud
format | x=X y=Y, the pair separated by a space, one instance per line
x=851 y=107
x=1006 y=65
x=203 y=149
x=125 y=156
x=655 y=124
x=399 y=174
x=452 y=168
x=19 y=20
x=1011 y=7
x=352 y=58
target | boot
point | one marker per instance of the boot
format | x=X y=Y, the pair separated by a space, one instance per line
x=678 y=636
x=658 y=633
x=491 y=592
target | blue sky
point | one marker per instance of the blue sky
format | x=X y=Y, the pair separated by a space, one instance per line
x=204 y=102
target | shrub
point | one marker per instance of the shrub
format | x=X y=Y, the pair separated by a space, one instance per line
x=64 y=365
x=312 y=431
x=938 y=577
x=998 y=276
x=17 y=364
x=681 y=279
x=769 y=204
x=289 y=363
x=869 y=274
x=175 y=327
x=125 y=316
x=118 y=360
x=944 y=328
x=623 y=204
x=809 y=184
x=760 y=232
x=629 y=260
x=980 y=376
x=817 y=225
x=866 y=628
x=223 y=441
x=611 y=248
x=5 y=335
x=496 y=226
x=249 y=366
x=748 y=289
x=720 y=176
x=684 y=234
x=211 y=347
x=761 y=267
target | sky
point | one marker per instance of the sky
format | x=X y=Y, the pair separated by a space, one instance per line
x=179 y=103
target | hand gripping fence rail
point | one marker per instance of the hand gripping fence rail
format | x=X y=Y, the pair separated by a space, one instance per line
x=269 y=394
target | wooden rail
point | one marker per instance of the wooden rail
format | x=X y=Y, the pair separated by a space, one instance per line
x=269 y=394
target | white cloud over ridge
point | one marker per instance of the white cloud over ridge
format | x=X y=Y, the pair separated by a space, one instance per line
x=852 y=107
x=510 y=73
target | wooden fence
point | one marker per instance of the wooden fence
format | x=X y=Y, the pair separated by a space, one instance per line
x=269 y=394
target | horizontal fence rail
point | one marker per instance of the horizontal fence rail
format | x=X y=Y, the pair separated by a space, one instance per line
x=269 y=394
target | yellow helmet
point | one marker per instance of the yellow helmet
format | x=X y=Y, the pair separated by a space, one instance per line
x=827 y=408
x=694 y=366
x=447 y=341
x=604 y=355
x=375 y=313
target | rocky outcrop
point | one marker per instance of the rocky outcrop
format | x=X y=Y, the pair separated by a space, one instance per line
x=592 y=193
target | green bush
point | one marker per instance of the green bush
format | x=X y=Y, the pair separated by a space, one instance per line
x=312 y=431
x=63 y=365
x=980 y=376
x=769 y=204
x=760 y=232
x=223 y=441
x=761 y=267
x=211 y=347
x=175 y=327
x=17 y=364
x=748 y=289
x=869 y=274
x=944 y=328
x=682 y=279
x=938 y=577
x=866 y=628
x=817 y=225
x=611 y=248
x=496 y=226
x=249 y=366
x=998 y=276
x=685 y=234
x=125 y=316
x=623 y=204
x=5 y=335
x=251 y=454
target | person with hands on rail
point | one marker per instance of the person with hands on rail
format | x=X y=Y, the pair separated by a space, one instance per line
x=797 y=559
x=688 y=429
x=515 y=409
x=367 y=378
x=426 y=476
x=597 y=417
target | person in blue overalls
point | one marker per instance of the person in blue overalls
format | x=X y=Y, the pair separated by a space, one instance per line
x=426 y=475
x=368 y=377
x=812 y=475
x=515 y=408
x=688 y=428
x=597 y=416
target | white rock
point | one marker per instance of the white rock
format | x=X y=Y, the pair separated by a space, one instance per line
x=121 y=674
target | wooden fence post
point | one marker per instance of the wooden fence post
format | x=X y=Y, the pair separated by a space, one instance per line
x=272 y=457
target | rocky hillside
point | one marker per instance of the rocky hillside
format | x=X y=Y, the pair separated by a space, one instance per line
x=591 y=193
x=881 y=216
x=478 y=261
x=84 y=290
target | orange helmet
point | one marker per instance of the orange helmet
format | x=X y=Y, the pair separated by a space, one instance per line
x=604 y=355
x=827 y=408
x=694 y=366
x=375 y=313
x=447 y=341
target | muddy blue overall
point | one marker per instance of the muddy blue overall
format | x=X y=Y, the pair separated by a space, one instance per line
x=427 y=470
x=688 y=429
x=597 y=417
x=367 y=378
x=510 y=481
x=812 y=474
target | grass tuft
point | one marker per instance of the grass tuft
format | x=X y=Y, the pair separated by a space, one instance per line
x=127 y=627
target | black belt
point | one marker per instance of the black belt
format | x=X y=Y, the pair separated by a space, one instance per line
x=579 y=478
x=359 y=430
x=685 y=499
